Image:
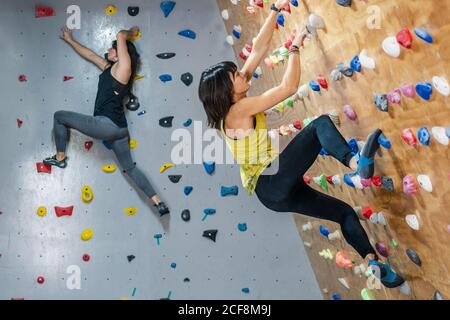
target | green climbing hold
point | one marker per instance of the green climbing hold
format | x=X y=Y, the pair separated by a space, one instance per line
x=394 y=243
x=366 y=294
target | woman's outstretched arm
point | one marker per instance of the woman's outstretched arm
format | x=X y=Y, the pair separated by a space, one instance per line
x=262 y=41
x=84 y=52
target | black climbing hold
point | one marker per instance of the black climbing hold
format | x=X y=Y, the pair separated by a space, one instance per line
x=166 y=55
x=131 y=258
x=175 y=178
x=381 y=102
x=388 y=183
x=344 y=3
x=187 y=78
x=166 y=122
x=187 y=280
x=186 y=215
x=414 y=257
x=132 y=102
x=133 y=11
x=210 y=234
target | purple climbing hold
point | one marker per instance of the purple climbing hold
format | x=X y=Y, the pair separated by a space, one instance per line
x=382 y=249
x=167 y=7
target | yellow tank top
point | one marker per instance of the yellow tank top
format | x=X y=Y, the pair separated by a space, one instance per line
x=253 y=153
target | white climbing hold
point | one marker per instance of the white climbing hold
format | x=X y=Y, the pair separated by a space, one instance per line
x=425 y=182
x=225 y=14
x=303 y=91
x=334 y=236
x=405 y=289
x=316 y=21
x=359 y=270
x=306 y=227
x=366 y=61
x=413 y=222
x=440 y=135
x=441 y=85
x=307 y=244
x=381 y=219
x=391 y=47
x=344 y=282
x=336 y=179
x=230 y=40
x=234 y=2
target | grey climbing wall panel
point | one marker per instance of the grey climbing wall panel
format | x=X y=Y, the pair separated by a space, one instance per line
x=269 y=258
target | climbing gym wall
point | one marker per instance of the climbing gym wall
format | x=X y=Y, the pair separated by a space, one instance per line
x=131 y=252
x=405 y=207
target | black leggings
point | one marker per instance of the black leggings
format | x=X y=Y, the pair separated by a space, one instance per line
x=286 y=191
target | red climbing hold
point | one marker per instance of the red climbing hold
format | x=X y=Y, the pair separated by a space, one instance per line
x=88 y=145
x=377 y=181
x=86 y=258
x=44 y=11
x=322 y=82
x=297 y=125
x=19 y=123
x=404 y=37
x=367 y=212
x=307 y=179
x=330 y=180
x=60 y=212
x=40 y=280
x=67 y=78
x=409 y=137
x=22 y=78
x=43 y=168
x=259 y=3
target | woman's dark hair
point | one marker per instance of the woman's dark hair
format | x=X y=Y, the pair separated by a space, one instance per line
x=216 y=91
x=135 y=61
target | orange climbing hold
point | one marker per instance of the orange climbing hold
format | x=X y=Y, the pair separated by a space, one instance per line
x=343 y=261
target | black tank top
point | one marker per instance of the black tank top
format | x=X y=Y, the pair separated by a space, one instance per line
x=109 y=99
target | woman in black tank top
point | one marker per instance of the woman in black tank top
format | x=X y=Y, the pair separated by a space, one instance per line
x=108 y=123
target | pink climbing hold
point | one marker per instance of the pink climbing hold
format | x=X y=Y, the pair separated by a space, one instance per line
x=408 y=90
x=19 y=123
x=306 y=179
x=43 y=168
x=366 y=183
x=350 y=112
x=409 y=137
x=409 y=185
x=22 y=78
x=40 y=280
x=395 y=96
x=405 y=38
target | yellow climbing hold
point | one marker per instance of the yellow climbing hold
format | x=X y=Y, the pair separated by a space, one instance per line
x=366 y=294
x=109 y=168
x=130 y=211
x=133 y=144
x=326 y=253
x=165 y=167
x=136 y=36
x=138 y=77
x=87 y=235
x=42 y=211
x=111 y=10
x=86 y=194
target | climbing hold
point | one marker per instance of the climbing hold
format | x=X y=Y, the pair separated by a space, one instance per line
x=188 y=190
x=409 y=185
x=173 y=265
x=441 y=85
x=324 y=231
x=67 y=78
x=404 y=37
x=346 y=71
x=225 y=15
x=158 y=237
x=210 y=167
x=381 y=102
x=131 y=102
x=40 y=280
x=133 y=144
x=344 y=282
x=314 y=86
x=409 y=137
x=336 y=75
x=384 y=141
x=130 y=211
x=343 y=261
x=133 y=11
x=334 y=236
x=242 y=227
x=86 y=194
x=246 y=290
x=366 y=294
x=424 y=136
x=350 y=112
x=355 y=64
x=61 y=212
x=208 y=212
x=280 y=20
x=165 y=78
x=321 y=181
x=187 y=123
x=336 y=296
x=130 y=258
x=437 y=296
x=353 y=180
x=316 y=21
x=327 y=254
x=408 y=90
x=42 y=211
x=423 y=34
x=237 y=30
x=424 y=90
x=186 y=215
x=43 y=168
x=166 y=122
x=175 y=178
x=187 y=78
x=165 y=167
x=188 y=34
x=366 y=61
x=394 y=96
x=440 y=135
x=307 y=226
x=391 y=47
x=109 y=168
x=425 y=182
x=382 y=249
x=22 y=78
x=187 y=280
x=344 y=3
x=41 y=11
x=322 y=82
x=19 y=123
x=87 y=235
x=166 y=55
x=414 y=257
x=413 y=222
x=167 y=7
x=86 y=258
x=229 y=191
x=110 y=10
x=88 y=145
x=210 y=234
x=377 y=181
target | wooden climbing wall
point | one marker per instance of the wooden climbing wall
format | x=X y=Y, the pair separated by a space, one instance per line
x=346 y=34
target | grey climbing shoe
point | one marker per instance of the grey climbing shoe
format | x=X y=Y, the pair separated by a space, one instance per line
x=52 y=161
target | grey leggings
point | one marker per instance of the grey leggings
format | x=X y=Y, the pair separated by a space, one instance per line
x=101 y=128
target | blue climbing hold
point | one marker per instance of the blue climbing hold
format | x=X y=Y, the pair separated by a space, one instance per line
x=188 y=190
x=324 y=152
x=167 y=7
x=210 y=167
x=142 y=113
x=424 y=136
x=229 y=191
x=173 y=265
x=165 y=78
x=423 y=34
x=246 y=290
x=242 y=227
x=188 y=34
x=447 y=131
x=187 y=123
x=355 y=64
x=280 y=20
x=324 y=231
x=353 y=144
x=424 y=90
x=294 y=3
x=107 y=145
x=208 y=212
x=348 y=179
x=384 y=142
x=314 y=86
x=237 y=34
x=336 y=297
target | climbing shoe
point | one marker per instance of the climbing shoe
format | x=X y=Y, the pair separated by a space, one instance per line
x=52 y=161
x=387 y=276
x=366 y=163
x=162 y=209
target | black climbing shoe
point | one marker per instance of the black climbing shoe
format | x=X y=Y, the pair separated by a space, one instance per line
x=162 y=209
x=55 y=162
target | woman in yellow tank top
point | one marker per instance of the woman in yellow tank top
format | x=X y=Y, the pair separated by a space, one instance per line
x=277 y=179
